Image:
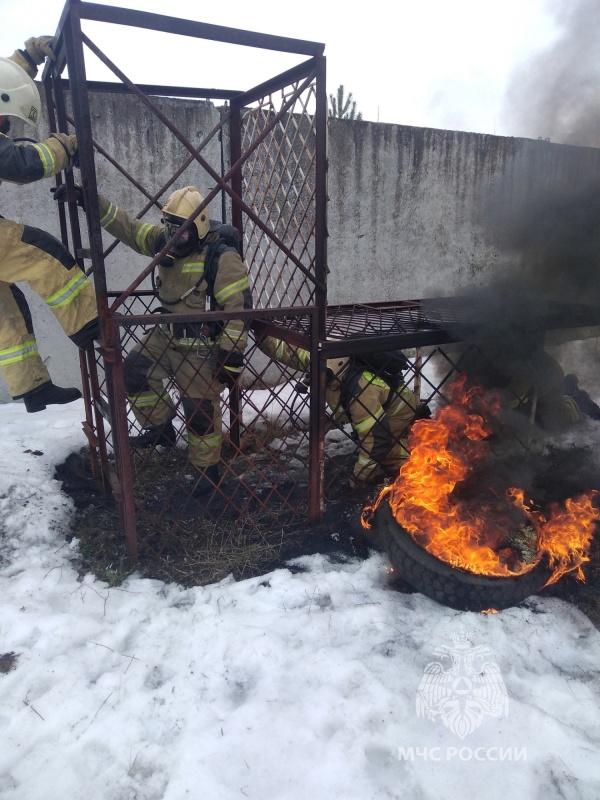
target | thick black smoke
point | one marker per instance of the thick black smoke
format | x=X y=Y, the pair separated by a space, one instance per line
x=555 y=94
x=547 y=226
x=542 y=217
x=543 y=214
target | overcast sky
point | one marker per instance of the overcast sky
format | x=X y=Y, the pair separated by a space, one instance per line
x=437 y=63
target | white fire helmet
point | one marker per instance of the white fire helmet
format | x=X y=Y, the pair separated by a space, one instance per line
x=19 y=96
x=184 y=202
x=337 y=366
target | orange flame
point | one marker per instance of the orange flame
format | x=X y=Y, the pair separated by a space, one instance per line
x=473 y=534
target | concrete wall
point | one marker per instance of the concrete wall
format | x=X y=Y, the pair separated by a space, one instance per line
x=404 y=215
x=407 y=206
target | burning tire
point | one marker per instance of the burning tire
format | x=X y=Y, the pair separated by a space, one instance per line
x=450 y=586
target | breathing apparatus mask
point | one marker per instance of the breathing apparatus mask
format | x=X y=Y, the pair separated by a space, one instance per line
x=176 y=210
x=181 y=248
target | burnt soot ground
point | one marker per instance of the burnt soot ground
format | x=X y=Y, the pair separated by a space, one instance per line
x=192 y=549
x=198 y=551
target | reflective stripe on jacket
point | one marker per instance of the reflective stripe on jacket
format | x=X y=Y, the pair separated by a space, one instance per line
x=176 y=285
x=24 y=162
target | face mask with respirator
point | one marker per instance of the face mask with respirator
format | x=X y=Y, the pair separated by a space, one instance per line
x=184 y=245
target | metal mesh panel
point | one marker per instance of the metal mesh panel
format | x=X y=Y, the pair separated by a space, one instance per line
x=262 y=477
x=279 y=183
x=157 y=419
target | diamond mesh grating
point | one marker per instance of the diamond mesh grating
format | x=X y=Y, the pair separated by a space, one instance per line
x=279 y=183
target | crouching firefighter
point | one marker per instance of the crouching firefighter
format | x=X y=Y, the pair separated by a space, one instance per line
x=529 y=380
x=30 y=254
x=375 y=400
x=202 y=271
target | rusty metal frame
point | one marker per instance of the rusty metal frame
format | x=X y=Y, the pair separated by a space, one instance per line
x=324 y=331
x=69 y=46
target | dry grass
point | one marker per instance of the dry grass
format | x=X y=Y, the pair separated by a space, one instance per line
x=190 y=549
x=199 y=550
x=211 y=552
x=190 y=552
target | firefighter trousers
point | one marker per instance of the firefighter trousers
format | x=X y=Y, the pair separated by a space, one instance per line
x=382 y=437
x=32 y=255
x=190 y=362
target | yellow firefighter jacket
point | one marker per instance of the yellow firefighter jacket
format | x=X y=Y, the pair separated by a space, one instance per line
x=181 y=288
x=379 y=414
x=26 y=162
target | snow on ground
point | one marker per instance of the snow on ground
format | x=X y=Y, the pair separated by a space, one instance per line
x=292 y=685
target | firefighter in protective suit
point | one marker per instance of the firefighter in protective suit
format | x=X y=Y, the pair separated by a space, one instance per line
x=528 y=379
x=30 y=254
x=203 y=359
x=380 y=414
x=540 y=375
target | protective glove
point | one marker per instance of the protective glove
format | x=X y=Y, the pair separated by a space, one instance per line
x=39 y=48
x=61 y=194
x=259 y=329
x=586 y=405
x=69 y=142
x=229 y=367
x=422 y=411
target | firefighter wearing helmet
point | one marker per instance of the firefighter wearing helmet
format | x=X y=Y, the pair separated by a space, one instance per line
x=202 y=358
x=380 y=414
x=30 y=254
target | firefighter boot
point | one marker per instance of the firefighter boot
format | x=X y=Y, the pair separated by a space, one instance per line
x=49 y=395
x=207 y=482
x=163 y=436
x=86 y=336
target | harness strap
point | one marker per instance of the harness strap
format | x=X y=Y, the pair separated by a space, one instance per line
x=189 y=331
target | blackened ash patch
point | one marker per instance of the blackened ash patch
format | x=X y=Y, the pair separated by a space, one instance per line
x=8 y=662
